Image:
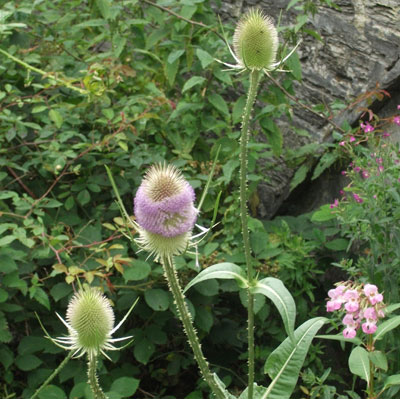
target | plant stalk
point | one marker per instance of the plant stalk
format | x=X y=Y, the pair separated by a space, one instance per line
x=92 y=378
x=186 y=319
x=44 y=73
x=251 y=97
x=53 y=374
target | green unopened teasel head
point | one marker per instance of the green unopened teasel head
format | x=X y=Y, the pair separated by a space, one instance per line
x=255 y=41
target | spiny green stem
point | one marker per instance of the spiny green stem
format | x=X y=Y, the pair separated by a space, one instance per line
x=55 y=372
x=252 y=93
x=92 y=378
x=44 y=73
x=185 y=317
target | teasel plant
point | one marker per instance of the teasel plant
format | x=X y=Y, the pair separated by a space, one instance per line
x=90 y=325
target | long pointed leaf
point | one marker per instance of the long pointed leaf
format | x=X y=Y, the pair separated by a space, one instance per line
x=274 y=289
x=386 y=326
x=220 y=271
x=359 y=363
x=284 y=363
x=340 y=337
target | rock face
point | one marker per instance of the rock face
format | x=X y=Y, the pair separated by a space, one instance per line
x=360 y=50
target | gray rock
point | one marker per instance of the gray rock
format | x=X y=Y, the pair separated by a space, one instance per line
x=360 y=50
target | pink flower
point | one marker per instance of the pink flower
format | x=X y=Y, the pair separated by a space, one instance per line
x=344 y=173
x=370 y=314
x=369 y=327
x=352 y=139
x=357 y=169
x=365 y=174
x=371 y=291
x=396 y=120
x=348 y=320
x=342 y=143
x=349 y=332
x=331 y=306
x=358 y=198
x=367 y=127
x=398 y=106
x=386 y=134
x=352 y=304
x=335 y=204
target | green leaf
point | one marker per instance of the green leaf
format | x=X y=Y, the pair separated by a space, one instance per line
x=323 y=214
x=157 y=299
x=204 y=318
x=325 y=162
x=174 y=56
x=258 y=392
x=379 y=359
x=139 y=270
x=208 y=288
x=31 y=344
x=274 y=289
x=274 y=135
x=204 y=57
x=294 y=65
x=338 y=244
x=359 y=363
x=83 y=197
x=38 y=108
x=299 y=176
x=3 y=294
x=60 y=290
x=125 y=386
x=340 y=337
x=219 y=103
x=284 y=363
x=392 y=380
x=7 y=264
x=6 y=357
x=143 y=350
x=170 y=71
x=41 y=297
x=56 y=117
x=386 y=326
x=27 y=362
x=259 y=300
x=52 y=392
x=5 y=241
x=238 y=108
x=193 y=81
x=104 y=8
x=220 y=271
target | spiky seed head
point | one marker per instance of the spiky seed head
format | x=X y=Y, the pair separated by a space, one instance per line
x=255 y=40
x=164 y=210
x=90 y=315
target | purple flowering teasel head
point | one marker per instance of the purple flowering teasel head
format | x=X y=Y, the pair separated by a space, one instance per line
x=165 y=212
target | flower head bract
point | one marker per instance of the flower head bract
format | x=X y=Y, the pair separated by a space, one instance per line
x=255 y=44
x=90 y=324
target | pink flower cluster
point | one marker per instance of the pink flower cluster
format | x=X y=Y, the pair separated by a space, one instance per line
x=363 y=305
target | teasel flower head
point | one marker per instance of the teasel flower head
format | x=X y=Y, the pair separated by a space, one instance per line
x=255 y=44
x=90 y=323
x=164 y=211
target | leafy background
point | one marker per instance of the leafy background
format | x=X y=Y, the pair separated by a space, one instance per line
x=126 y=84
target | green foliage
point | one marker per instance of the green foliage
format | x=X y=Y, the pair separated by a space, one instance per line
x=125 y=85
